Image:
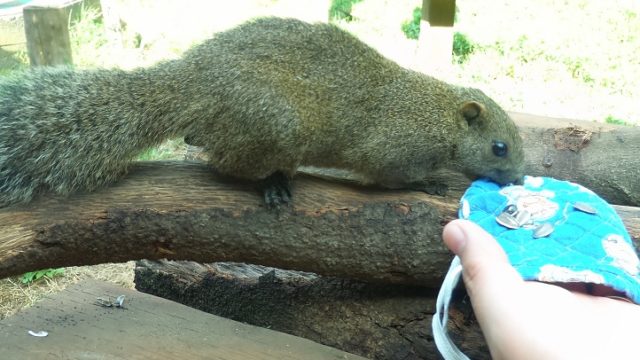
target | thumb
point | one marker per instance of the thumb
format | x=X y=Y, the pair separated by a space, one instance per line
x=498 y=294
x=486 y=269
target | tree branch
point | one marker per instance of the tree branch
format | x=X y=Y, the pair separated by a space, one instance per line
x=181 y=211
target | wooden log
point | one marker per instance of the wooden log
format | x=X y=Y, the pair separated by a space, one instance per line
x=183 y=211
x=177 y=210
x=377 y=321
x=599 y=156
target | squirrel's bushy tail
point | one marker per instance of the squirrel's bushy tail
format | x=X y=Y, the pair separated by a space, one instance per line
x=64 y=130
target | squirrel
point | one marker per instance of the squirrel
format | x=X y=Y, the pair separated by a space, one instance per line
x=262 y=98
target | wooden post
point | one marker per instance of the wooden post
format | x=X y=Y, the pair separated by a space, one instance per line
x=46 y=28
x=435 y=44
x=439 y=12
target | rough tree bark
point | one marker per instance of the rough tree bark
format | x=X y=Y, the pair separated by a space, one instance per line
x=602 y=157
x=377 y=321
x=180 y=211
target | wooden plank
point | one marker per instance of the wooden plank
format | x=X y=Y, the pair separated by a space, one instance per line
x=147 y=328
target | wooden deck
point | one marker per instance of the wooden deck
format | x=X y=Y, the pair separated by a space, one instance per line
x=148 y=327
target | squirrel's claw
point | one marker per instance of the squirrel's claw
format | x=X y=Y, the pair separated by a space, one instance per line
x=277 y=190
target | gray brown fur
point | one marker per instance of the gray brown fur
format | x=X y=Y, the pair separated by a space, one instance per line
x=270 y=95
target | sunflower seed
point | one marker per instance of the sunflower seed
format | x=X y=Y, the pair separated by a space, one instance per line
x=510 y=209
x=40 y=333
x=507 y=220
x=543 y=230
x=584 y=207
x=522 y=217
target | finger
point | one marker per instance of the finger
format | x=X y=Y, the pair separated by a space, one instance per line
x=486 y=269
x=495 y=287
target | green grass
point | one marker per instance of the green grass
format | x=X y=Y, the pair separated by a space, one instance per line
x=12 y=61
x=411 y=28
x=169 y=150
x=462 y=47
x=34 y=276
x=88 y=39
x=341 y=9
x=576 y=64
x=615 y=121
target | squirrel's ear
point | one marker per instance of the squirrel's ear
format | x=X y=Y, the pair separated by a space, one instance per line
x=471 y=111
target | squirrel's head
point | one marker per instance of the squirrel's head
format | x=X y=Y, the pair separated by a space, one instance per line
x=491 y=145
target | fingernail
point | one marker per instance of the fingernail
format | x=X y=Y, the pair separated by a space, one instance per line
x=454 y=237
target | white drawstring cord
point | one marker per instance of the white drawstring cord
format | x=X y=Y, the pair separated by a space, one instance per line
x=444 y=343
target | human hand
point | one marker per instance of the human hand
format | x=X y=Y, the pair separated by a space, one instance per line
x=532 y=320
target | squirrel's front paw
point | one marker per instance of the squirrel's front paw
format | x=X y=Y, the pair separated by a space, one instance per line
x=277 y=190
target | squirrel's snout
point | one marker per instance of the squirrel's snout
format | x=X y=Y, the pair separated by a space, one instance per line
x=503 y=177
x=518 y=181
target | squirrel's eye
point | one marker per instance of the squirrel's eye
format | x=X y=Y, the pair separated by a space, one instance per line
x=499 y=148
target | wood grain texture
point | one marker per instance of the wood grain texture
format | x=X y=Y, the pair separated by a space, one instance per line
x=147 y=328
